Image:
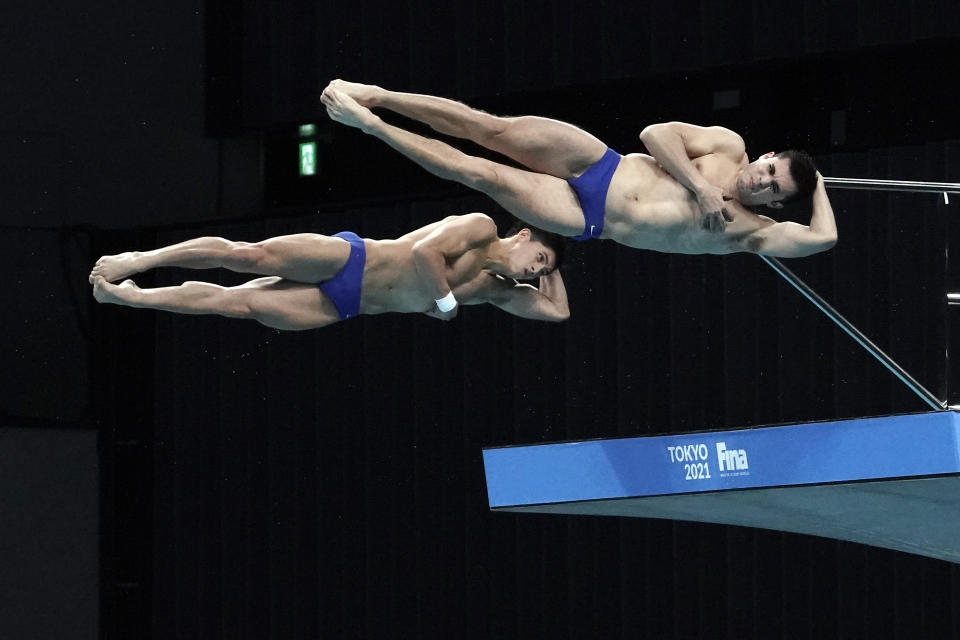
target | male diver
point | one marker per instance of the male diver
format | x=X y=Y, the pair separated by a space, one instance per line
x=692 y=195
x=315 y=280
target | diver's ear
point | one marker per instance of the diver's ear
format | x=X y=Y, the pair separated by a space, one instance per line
x=768 y=154
x=775 y=205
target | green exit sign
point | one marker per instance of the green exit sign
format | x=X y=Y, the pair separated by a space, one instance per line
x=308 y=158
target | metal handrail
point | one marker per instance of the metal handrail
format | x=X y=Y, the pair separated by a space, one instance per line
x=855 y=333
x=891 y=185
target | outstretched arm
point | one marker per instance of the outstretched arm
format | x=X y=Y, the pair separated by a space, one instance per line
x=546 y=302
x=451 y=239
x=673 y=144
x=792 y=240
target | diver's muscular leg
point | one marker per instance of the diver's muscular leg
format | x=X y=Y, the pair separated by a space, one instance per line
x=197 y=253
x=303 y=257
x=272 y=301
x=541 y=144
x=537 y=198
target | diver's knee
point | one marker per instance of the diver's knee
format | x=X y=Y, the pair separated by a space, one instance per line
x=479 y=174
x=246 y=256
x=496 y=128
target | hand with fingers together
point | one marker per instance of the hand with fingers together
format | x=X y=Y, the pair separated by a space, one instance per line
x=714 y=213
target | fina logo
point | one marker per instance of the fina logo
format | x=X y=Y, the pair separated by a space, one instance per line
x=732 y=459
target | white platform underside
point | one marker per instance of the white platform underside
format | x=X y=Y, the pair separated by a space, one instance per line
x=920 y=516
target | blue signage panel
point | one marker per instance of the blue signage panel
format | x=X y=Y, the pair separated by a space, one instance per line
x=842 y=451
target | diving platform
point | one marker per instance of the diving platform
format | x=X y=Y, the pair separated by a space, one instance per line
x=890 y=481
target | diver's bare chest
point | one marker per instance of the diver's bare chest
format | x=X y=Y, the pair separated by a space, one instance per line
x=464 y=267
x=717 y=170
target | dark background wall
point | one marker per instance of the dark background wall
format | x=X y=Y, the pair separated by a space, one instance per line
x=326 y=484
x=49 y=537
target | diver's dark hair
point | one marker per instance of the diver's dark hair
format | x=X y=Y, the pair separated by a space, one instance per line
x=803 y=172
x=552 y=240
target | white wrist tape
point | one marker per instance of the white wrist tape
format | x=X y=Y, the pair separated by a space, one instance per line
x=446 y=303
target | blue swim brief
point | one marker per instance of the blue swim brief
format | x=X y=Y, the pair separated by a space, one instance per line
x=591 y=188
x=344 y=288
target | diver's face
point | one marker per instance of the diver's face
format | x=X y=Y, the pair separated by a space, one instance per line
x=766 y=181
x=530 y=258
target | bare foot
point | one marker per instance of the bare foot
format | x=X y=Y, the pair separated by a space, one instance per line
x=122 y=293
x=112 y=268
x=364 y=94
x=345 y=110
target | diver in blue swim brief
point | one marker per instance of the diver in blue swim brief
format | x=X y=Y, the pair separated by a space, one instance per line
x=591 y=189
x=696 y=192
x=310 y=280
x=344 y=288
